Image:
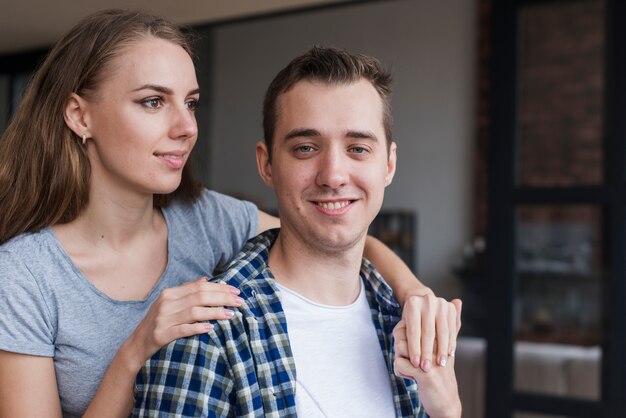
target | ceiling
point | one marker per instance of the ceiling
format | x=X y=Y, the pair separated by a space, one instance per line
x=34 y=24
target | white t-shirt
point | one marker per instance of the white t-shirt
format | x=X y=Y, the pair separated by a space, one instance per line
x=340 y=368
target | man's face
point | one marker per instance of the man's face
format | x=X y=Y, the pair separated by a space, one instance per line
x=330 y=164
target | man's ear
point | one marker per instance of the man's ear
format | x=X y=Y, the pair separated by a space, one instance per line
x=391 y=163
x=263 y=163
x=75 y=115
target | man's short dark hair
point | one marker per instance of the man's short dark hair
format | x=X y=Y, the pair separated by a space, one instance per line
x=331 y=66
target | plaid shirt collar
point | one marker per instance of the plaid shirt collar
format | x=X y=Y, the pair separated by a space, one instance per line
x=245 y=367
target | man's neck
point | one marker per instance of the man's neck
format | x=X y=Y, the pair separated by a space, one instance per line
x=326 y=277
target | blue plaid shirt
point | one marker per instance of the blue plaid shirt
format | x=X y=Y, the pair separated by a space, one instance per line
x=245 y=367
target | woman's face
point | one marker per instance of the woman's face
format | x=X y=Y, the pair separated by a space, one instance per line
x=141 y=120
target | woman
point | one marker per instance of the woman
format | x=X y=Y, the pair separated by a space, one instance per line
x=103 y=226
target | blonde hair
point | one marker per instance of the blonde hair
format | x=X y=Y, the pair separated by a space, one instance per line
x=44 y=169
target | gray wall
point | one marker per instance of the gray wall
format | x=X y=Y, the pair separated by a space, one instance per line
x=430 y=46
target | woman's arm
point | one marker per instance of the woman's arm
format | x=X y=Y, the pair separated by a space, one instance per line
x=29 y=386
x=267 y=221
x=396 y=273
x=428 y=318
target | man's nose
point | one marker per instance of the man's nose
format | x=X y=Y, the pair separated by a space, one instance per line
x=333 y=169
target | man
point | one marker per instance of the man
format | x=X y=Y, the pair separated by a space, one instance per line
x=314 y=336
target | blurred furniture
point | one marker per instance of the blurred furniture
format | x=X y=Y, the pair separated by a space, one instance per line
x=556 y=369
x=397 y=229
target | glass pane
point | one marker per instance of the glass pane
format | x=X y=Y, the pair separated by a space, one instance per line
x=559 y=265
x=561 y=82
x=19 y=85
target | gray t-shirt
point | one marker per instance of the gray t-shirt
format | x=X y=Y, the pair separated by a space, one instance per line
x=48 y=308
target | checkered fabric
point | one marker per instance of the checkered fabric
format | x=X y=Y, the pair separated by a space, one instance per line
x=245 y=367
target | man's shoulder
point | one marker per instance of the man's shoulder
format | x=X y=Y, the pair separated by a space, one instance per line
x=376 y=285
x=251 y=263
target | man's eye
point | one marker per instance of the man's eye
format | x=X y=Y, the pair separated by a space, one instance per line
x=358 y=150
x=304 y=149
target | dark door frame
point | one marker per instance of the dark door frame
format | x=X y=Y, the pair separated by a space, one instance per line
x=503 y=197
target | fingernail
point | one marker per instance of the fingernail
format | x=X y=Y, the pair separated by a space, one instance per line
x=452 y=353
x=208 y=326
x=235 y=291
x=442 y=361
x=426 y=365
x=239 y=301
x=415 y=361
x=229 y=313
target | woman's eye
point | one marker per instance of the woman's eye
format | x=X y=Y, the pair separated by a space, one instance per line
x=153 y=102
x=192 y=104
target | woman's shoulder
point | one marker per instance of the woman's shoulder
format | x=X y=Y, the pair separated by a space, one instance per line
x=211 y=206
x=33 y=253
x=207 y=198
x=27 y=243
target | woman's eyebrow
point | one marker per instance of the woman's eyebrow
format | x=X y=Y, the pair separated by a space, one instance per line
x=163 y=89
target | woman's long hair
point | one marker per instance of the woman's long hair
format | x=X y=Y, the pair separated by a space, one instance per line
x=44 y=168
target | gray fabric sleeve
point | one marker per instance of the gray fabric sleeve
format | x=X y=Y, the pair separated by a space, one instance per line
x=232 y=221
x=26 y=326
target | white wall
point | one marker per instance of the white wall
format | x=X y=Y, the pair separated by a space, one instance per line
x=430 y=46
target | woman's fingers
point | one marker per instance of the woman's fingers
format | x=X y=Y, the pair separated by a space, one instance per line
x=200 y=313
x=200 y=285
x=182 y=311
x=402 y=367
x=201 y=293
x=411 y=315
x=432 y=325
x=429 y=317
x=454 y=324
x=443 y=334
x=399 y=340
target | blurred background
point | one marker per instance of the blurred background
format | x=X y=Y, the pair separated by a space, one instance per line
x=511 y=152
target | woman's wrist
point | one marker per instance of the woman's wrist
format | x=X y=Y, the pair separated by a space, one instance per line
x=418 y=289
x=129 y=358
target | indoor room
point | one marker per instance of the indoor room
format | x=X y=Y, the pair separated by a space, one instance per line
x=509 y=188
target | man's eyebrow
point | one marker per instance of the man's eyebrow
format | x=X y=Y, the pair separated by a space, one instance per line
x=308 y=132
x=301 y=132
x=362 y=135
x=163 y=89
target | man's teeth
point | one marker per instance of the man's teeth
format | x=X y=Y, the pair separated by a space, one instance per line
x=335 y=205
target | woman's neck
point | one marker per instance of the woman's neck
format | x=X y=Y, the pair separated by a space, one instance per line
x=114 y=219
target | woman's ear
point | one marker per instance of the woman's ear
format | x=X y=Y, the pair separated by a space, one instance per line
x=264 y=164
x=75 y=115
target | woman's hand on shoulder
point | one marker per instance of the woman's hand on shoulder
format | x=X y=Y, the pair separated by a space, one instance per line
x=181 y=312
x=29 y=387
